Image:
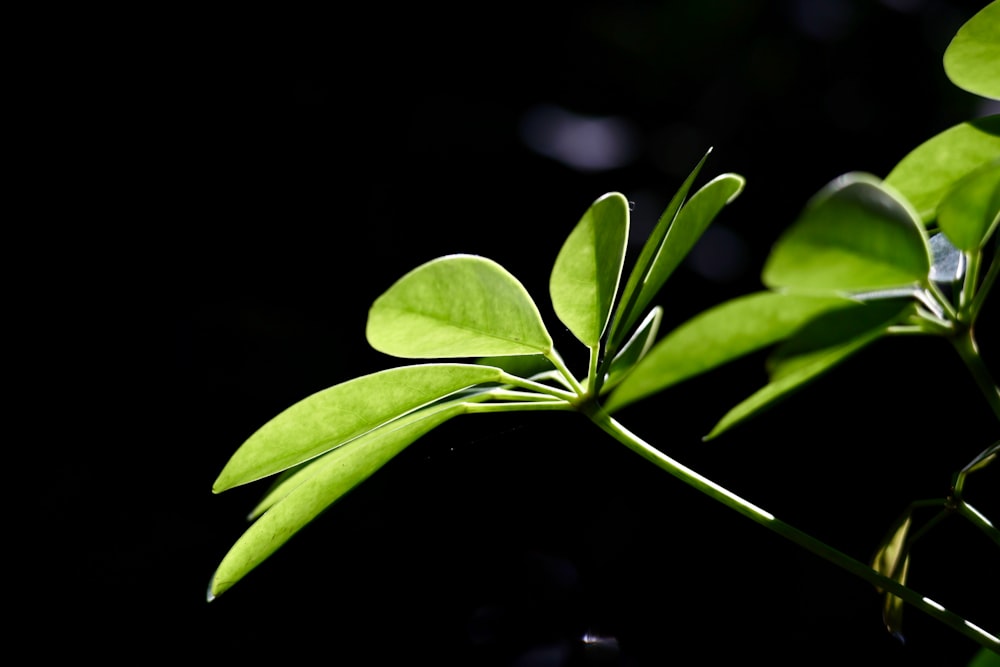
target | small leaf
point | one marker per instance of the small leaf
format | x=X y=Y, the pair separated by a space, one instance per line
x=815 y=349
x=854 y=235
x=971 y=59
x=717 y=336
x=969 y=213
x=930 y=170
x=302 y=496
x=338 y=414
x=585 y=276
x=634 y=298
x=892 y=560
x=634 y=350
x=457 y=306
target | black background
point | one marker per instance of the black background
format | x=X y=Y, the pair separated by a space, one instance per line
x=225 y=193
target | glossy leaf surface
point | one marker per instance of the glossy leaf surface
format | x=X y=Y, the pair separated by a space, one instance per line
x=820 y=345
x=854 y=235
x=457 y=306
x=584 y=279
x=968 y=214
x=930 y=170
x=338 y=414
x=636 y=297
x=305 y=494
x=717 y=336
x=972 y=59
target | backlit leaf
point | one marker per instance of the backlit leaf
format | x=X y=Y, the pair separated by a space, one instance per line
x=930 y=170
x=302 y=496
x=969 y=213
x=972 y=59
x=584 y=279
x=457 y=306
x=855 y=235
x=338 y=414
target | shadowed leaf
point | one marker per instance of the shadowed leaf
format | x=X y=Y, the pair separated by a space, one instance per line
x=969 y=213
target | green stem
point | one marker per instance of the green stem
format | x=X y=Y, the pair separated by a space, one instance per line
x=768 y=520
x=965 y=344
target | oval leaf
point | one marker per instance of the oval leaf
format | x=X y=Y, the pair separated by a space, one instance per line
x=457 y=306
x=338 y=414
x=854 y=235
x=930 y=170
x=316 y=486
x=972 y=59
x=968 y=214
x=585 y=276
x=719 y=335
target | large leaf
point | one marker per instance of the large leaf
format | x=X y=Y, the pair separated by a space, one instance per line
x=338 y=414
x=718 y=335
x=302 y=496
x=968 y=214
x=855 y=235
x=636 y=297
x=585 y=276
x=457 y=306
x=820 y=345
x=972 y=59
x=930 y=170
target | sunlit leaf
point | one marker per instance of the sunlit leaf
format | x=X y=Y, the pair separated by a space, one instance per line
x=813 y=350
x=457 y=306
x=338 y=414
x=584 y=279
x=718 y=335
x=854 y=235
x=972 y=59
x=691 y=222
x=930 y=170
x=635 y=297
x=302 y=496
x=523 y=366
x=969 y=213
x=634 y=350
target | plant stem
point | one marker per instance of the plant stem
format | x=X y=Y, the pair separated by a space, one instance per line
x=965 y=344
x=768 y=520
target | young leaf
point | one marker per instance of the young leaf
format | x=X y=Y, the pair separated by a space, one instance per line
x=305 y=494
x=855 y=235
x=892 y=560
x=634 y=298
x=972 y=59
x=585 y=276
x=634 y=350
x=968 y=214
x=457 y=306
x=816 y=348
x=930 y=170
x=338 y=414
x=717 y=336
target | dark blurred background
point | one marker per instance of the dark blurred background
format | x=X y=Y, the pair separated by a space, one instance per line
x=231 y=189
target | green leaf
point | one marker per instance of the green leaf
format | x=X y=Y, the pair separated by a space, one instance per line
x=636 y=297
x=855 y=235
x=717 y=336
x=524 y=366
x=821 y=344
x=968 y=214
x=457 y=306
x=635 y=349
x=585 y=276
x=302 y=496
x=972 y=59
x=892 y=560
x=930 y=170
x=338 y=414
